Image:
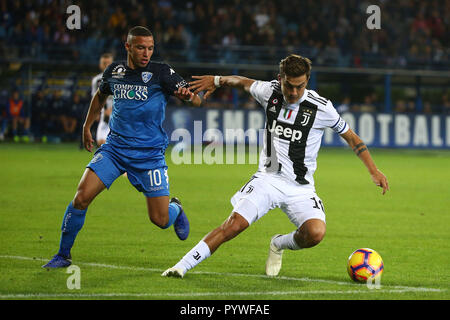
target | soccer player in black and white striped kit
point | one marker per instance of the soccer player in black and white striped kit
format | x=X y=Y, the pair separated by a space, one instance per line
x=103 y=128
x=295 y=122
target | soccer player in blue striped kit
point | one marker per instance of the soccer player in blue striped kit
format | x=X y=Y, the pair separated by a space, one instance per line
x=136 y=143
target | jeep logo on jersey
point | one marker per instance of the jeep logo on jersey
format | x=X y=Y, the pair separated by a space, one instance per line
x=285 y=132
x=146 y=76
x=130 y=92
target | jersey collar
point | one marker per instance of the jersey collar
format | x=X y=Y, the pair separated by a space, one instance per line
x=293 y=106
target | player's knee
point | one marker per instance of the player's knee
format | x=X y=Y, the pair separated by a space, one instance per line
x=315 y=235
x=233 y=226
x=311 y=233
x=160 y=220
x=81 y=200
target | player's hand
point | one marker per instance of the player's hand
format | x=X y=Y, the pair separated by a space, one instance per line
x=88 y=142
x=184 y=94
x=203 y=83
x=380 y=180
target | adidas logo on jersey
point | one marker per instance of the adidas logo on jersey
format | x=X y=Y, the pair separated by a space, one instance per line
x=286 y=133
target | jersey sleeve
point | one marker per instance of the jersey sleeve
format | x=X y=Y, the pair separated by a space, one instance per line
x=328 y=117
x=94 y=86
x=170 y=80
x=261 y=91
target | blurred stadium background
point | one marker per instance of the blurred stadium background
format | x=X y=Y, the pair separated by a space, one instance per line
x=391 y=84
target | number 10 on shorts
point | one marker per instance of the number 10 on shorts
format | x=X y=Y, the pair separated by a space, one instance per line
x=156 y=178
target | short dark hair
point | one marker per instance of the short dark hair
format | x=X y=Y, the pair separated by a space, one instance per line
x=295 y=66
x=107 y=55
x=139 y=31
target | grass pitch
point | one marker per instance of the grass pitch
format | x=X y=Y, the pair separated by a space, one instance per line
x=121 y=255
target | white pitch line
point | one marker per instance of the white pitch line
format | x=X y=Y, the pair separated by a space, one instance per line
x=385 y=288
x=198 y=294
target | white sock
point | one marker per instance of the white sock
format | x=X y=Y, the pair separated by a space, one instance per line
x=197 y=254
x=286 y=241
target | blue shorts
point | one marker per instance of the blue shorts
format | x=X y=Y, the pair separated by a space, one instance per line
x=146 y=169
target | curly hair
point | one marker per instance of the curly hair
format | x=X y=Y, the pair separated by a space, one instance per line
x=295 y=66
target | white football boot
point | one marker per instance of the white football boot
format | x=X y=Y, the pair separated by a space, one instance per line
x=273 y=263
x=173 y=272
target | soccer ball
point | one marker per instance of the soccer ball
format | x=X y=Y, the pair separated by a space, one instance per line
x=364 y=264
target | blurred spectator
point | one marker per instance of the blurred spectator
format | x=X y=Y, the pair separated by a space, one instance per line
x=344 y=106
x=3 y=117
x=41 y=115
x=249 y=103
x=330 y=54
x=446 y=103
x=400 y=106
x=57 y=106
x=18 y=115
x=71 y=118
x=368 y=104
x=411 y=106
x=116 y=18
x=427 y=108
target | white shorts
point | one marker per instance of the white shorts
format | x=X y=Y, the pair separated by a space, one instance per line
x=102 y=131
x=265 y=192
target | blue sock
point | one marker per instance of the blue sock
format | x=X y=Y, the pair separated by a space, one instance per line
x=72 y=223
x=174 y=211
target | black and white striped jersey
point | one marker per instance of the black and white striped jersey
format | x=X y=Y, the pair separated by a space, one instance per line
x=95 y=84
x=294 y=132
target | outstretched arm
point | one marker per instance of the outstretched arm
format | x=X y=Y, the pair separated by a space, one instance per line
x=188 y=96
x=360 y=149
x=211 y=83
